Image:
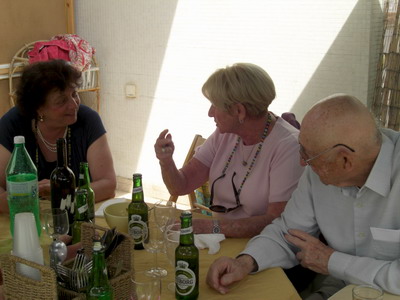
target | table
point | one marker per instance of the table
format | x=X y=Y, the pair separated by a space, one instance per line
x=346 y=294
x=271 y=284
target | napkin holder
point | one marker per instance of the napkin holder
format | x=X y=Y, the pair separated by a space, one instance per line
x=18 y=286
x=121 y=258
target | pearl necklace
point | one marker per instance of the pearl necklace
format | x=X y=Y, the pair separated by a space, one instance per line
x=50 y=146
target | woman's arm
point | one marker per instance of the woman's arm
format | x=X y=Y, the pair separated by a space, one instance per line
x=4 y=158
x=242 y=228
x=101 y=166
x=184 y=180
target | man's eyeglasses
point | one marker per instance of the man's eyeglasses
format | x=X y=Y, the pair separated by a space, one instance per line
x=307 y=161
x=220 y=208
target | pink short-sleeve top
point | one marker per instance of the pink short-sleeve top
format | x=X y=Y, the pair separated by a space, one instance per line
x=273 y=177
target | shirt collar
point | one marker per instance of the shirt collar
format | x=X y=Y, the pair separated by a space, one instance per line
x=379 y=177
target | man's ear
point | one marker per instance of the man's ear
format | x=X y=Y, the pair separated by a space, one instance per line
x=346 y=160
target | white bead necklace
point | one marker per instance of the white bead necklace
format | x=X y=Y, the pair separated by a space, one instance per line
x=50 y=146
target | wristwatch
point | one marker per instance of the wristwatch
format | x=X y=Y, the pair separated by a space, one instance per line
x=216 y=228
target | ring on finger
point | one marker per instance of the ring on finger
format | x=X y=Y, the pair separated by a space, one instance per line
x=163 y=149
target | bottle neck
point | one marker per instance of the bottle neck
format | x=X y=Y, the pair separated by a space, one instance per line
x=186 y=237
x=61 y=153
x=100 y=277
x=137 y=190
x=84 y=179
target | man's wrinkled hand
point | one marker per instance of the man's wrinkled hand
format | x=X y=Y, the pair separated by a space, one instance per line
x=313 y=254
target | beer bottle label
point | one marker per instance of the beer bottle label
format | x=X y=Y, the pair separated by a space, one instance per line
x=83 y=208
x=186 y=230
x=137 y=229
x=136 y=190
x=185 y=278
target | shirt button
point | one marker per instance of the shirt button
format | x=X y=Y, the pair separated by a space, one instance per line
x=361 y=235
x=359 y=204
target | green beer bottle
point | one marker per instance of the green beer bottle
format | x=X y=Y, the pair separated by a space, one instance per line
x=138 y=213
x=186 y=262
x=81 y=214
x=84 y=183
x=99 y=286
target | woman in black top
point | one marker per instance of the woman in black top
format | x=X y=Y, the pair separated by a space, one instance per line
x=48 y=108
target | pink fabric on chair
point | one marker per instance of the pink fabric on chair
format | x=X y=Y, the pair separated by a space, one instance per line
x=69 y=47
x=48 y=50
x=80 y=51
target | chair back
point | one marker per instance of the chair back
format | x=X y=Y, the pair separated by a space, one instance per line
x=193 y=200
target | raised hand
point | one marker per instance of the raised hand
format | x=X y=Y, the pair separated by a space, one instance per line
x=164 y=146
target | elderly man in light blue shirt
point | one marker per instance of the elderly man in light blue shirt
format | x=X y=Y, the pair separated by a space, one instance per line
x=350 y=192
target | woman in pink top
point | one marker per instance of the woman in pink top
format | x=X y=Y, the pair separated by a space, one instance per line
x=251 y=160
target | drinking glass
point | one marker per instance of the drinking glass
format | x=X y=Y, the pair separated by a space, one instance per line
x=147 y=287
x=367 y=292
x=154 y=243
x=55 y=224
x=164 y=214
x=172 y=235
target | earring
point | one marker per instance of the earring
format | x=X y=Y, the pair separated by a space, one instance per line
x=41 y=118
x=241 y=121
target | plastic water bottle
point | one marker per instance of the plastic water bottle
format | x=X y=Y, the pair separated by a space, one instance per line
x=22 y=184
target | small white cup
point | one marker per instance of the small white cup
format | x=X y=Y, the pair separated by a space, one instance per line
x=25 y=232
x=367 y=292
x=26 y=244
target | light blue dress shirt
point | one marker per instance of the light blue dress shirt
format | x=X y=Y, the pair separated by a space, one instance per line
x=362 y=224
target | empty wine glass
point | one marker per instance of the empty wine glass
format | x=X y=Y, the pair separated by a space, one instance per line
x=55 y=224
x=172 y=235
x=154 y=243
x=164 y=214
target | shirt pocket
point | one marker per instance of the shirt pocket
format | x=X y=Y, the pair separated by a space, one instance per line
x=386 y=243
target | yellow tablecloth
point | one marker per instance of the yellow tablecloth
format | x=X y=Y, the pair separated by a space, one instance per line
x=270 y=284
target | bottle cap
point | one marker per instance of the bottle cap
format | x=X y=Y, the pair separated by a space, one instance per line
x=19 y=139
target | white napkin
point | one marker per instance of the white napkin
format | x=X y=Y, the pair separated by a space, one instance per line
x=210 y=241
x=100 y=211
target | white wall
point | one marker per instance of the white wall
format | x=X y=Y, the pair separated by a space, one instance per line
x=168 y=48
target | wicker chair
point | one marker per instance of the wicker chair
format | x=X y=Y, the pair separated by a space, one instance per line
x=90 y=77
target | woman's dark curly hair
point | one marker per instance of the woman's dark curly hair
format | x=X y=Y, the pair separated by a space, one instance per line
x=41 y=78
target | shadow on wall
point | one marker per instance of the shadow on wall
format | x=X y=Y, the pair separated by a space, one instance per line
x=340 y=60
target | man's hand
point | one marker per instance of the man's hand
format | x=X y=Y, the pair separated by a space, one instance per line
x=314 y=254
x=225 y=270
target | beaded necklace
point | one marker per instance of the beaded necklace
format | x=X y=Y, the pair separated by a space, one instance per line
x=260 y=144
x=68 y=140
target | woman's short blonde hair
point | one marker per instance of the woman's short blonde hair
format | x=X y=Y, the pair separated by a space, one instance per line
x=243 y=83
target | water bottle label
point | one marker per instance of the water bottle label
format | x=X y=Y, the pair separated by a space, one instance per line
x=137 y=229
x=185 y=278
x=186 y=230
x=27 y=188
x=83 y=208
